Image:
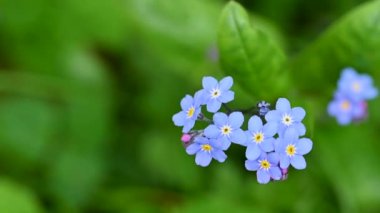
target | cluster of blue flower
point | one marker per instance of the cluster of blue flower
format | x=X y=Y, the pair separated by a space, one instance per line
x=350 y=100
x=271 y=146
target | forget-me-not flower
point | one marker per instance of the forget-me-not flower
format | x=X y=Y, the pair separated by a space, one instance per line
x=291 y=149
x=215 y=93
x=345 y=110
x=287 y=117
x=259 y=137
x=266 y=166
x=357 y=87
x=227 y=129
x=206 y=149
x=191 y=108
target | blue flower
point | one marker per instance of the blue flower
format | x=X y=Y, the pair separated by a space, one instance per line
x=263 y=108
x=191 y=108
x=206 y=149
x=356 y=87
x=287 y=117
x=259 y=137
x=345 y=110
x=291 y=149
x=266 y=167
x=214 y=93
x=227 y=129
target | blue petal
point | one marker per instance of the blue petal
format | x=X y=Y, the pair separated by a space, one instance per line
x=201 y=140
x=213 y=105
x=291 y=135
x=270 y=129
x=304 y=146
x=218 y=155
x=267 y=145
x=263 y=177
x=343 y=119
x=179 y=119
x=273 y=115
x=209 y=83
x=225 y=143
x=275 y=173
x=283 y=105
x=226 y=83
x=255 y=123
x=186 y=102
x=236 y=119
x=212 y=131
x=300 y=127
x=238 y=136
x=370 y=93
x=188 y=125
x=226 y=96
x=298 y=162
x=251 y=165
x=203 y=158
x=199 y=98
x=252 y=152
x=284 y=161
x=220 y=119
x=273 y=158
x=298 y=113
x=193 y=148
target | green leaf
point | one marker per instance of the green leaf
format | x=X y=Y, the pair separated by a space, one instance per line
x=351 y=41
x=249 y=54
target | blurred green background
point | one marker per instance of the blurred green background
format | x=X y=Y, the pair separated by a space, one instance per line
x=88 y=89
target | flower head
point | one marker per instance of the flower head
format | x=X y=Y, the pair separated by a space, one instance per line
x=291 y=149
x=259 y=137
x=227 y=128
x=266 y=166
x=263 y=108
x=191 y=108
x=345 y=110
x=205 y=150
x=287 y=117
x=357 y=87
x=215 y=93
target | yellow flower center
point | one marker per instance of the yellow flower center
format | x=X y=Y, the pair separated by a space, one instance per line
x=226 y=130
x=287 y=120
x=215 y=93
x=258 y=137
x=345 y=105
x=264 y=164
x=206 y=147
x=356 y=87
x=190 y=112
x=291 y=150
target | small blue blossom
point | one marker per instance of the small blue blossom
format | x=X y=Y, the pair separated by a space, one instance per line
x=287 y=117
x=191 y=108
x=266 y=167
x=263 y=108
x=346 y=110
x=227 y=129
x=259 y=137
x=291 y=149
x=214 y=93
x=206 y=149
x=357 y=87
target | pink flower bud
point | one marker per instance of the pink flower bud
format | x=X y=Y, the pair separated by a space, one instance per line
x=186 y=138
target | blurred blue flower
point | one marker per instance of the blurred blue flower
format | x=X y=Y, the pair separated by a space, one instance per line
x=259 y=137
x=287 y=117
x=266 y=166
x=191 y=108
x=206 y=149
x=291 y=149
x=214 y=93
x=227 y=129
x=263 y=108
x=346 y=110
x=357 y=87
